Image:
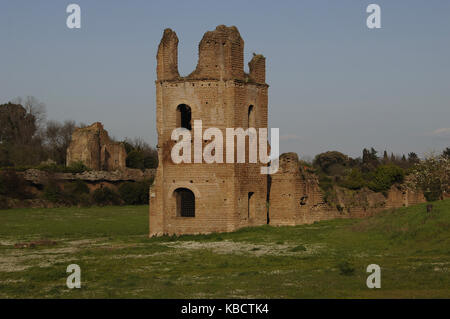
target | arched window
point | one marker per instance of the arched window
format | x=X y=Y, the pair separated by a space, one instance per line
x=185 y=200
x=251 y=116
x=184 y=116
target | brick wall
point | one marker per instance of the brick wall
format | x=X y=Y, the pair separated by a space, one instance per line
x=217 y=94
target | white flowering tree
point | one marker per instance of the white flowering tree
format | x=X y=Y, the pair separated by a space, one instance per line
x=432 y=176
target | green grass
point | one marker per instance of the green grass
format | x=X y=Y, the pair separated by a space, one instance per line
x=323 y=260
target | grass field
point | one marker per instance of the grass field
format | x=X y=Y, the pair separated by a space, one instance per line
x=323 y=260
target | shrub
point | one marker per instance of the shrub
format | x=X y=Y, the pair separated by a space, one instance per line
x=13 y=185
x=76 y=168
x=73 y=193
x=135 y=159
x=346 y=269
x=140 y=155
x=76 y=193
x=84 y=200
x=52 y=192
x=298 y=248
x=325 y=183
x=330 y=196
x=51 y=168
x=354 y=180
x=385 y=176
x=77 y=187
x=105 y=196
x=433 y=192
x=3 y=202
x=135 y=193
x=21 y=168
x=328 y=159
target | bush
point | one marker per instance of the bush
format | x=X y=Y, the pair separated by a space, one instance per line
x=325 y=183
x=76 y=193
x=433 y=192
x=298 y=248
x=385 y=176
x=51 y=168
x=346 y=269
x=3 y=202
x=330 y=196
x=105 y=196
x=77 y=187
x=21 y=168
x=76 y=168
x=328 y=159
x=73 y=193
x=135 y=193
x=13 y=185
x=140 y=155
x=354 y=180
x=52 y=192
x=135 y=159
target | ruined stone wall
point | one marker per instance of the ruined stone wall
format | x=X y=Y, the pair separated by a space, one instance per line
x=218 y=95
x=92 y=146
x=296 y=198
x=286 y=192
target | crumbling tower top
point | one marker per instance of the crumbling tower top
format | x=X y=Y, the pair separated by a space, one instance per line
x=220 y=57
x=167 y=68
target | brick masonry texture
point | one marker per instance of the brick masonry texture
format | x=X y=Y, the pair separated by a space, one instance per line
x=92 y=146
x=221 y=94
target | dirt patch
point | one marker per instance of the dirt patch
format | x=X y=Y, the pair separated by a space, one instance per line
x=230 y=247
x=34 y=244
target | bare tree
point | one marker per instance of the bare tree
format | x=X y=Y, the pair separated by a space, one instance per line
x=57 y=139
x=33 y=107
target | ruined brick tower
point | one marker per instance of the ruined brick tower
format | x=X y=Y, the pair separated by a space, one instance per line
x=92 y=146
x=190 y=198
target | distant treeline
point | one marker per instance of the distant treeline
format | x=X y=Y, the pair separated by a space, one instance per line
x=379 y=173
x=27 y=139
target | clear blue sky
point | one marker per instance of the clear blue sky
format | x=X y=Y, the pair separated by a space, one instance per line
x=334 y=84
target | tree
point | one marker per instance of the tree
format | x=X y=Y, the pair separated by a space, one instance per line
x=369 y=160
x=325 y=161
x=413 y=158
x=385 y=176
x=20 y=141
x=57 y=139
x=432 y=176
x=140 y=155
x=33 y=107
x=354 y=180
x=446 y=152
x=17 y=126
x=385 y=157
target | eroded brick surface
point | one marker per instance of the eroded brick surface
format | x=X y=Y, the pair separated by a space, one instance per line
x=231 y=196
x=92 y=146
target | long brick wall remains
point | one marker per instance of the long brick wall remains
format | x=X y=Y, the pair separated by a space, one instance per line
x=296 y=198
